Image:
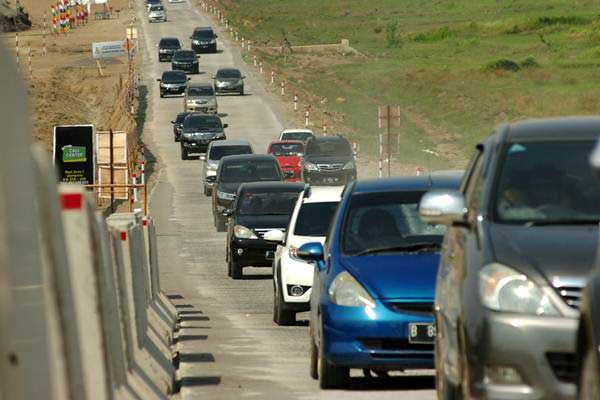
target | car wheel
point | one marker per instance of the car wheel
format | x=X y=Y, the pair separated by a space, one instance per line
x=184 y=154
x=206 y=192
x=242 y=92
x=229 y=269
x=589 y=385
x=281 y=315
x=221 y=224
x=236 y=270
x=162 y=95
x=331 y=376
x=314 y=360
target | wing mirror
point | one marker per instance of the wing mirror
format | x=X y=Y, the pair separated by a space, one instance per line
x=158 y=79
x=274 y=235
x=313 y=253
x=225 y=125
x=443 y=207
x=202 y=157
x=189 y=79
x=227 y=212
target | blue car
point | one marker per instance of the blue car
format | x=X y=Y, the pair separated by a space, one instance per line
x=374 y=281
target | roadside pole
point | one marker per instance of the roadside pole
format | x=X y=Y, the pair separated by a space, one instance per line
x=388 y=118
x=112 y=172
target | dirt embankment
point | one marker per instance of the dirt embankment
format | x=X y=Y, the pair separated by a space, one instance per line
x=65 y=86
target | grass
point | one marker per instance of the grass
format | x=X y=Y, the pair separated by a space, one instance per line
x=456 y=68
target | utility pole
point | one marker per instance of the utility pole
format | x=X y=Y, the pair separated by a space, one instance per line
x=112 y=172
x=388 y=118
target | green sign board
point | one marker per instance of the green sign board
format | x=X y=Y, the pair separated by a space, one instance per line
x=74 y=154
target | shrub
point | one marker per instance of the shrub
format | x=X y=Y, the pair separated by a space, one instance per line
x=435 y=35
x=392 y=36
x=529 y=62
x=502 y=64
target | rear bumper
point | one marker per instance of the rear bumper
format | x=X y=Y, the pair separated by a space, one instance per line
x=229 y=89
x=339 y=177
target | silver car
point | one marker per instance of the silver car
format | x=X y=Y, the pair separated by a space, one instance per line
x=217 y=150
x=200 y=97
x=157 y=13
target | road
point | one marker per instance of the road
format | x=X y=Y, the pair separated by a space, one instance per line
x=229 y=346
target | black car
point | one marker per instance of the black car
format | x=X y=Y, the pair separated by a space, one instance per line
x=167 y=47
x=178 y=125
x=198 y=131
x=328 y=160
x=173 y=82
x=235 y=170
x=185 y=60
x=588 y=338
x=258 y=208
x=521 y=242
x=229 y=80
x=204 y=39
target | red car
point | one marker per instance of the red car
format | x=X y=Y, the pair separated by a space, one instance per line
x=289 y=154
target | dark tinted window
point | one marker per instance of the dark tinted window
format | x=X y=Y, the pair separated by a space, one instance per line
x=547 y=183
x=169 y=42
x=174 y=77
x=228 y=73
x=303 y=136
x=202 y=122
x=218 y=152
x=314 y=219
x=157 y=8
x=387 y=220
x=181 y=117
x=203 y=34
x=267 y=203
x=287 y=149
x=186 y=55
x=251 y=171
x=328 y=148
x=201 y=91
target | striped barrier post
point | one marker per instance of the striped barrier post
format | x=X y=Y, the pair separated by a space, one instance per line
x=295 y=102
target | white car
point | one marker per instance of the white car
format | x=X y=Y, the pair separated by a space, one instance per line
x=292 y=277
x=296 y=134
x=157 y=13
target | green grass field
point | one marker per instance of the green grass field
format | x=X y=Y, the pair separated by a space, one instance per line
x=457 y=68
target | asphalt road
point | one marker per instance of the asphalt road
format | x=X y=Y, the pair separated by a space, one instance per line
x=229 y=346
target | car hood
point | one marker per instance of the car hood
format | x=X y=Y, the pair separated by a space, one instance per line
x=230 y=80
x=263 y=221
x=561 y=255
x=211 y=131
x=328 y=159
x=229 y=187
x=289 y=161
x=175 y=83
x=185 y=61
x=201 y=98
x=396 y=276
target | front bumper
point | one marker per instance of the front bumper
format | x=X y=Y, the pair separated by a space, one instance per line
x=198 y=48
x=357 y=337
x=253 y=252
x=339 y=177
x=161 y=18
x=296 y=273
x=541 y=349
x=197 y=146
x=178 y=90
x=229 y=89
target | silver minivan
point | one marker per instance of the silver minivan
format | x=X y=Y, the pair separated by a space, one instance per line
x=200 y=97
x=157 y=13
x=217 y=150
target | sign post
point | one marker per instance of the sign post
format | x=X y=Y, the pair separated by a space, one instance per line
x=388 y=117
x=74 y=154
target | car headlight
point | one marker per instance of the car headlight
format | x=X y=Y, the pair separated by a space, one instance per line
x=212 y=167
x=242 y=232
x=346 y=291
x=195 y=41
x=225 y=195
x=188 y=135
x=310 y=166
x=220 y=135
x=213 y=41
x=349 y=165
x=503 y=289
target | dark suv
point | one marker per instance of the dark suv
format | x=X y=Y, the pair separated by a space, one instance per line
x=328 y=160
x=204 y=39
x=173 y=82
x=235 y=170
x=198 y=131
x=259 y=207
x=167 y=47
x=185 y=60
x=521 y=241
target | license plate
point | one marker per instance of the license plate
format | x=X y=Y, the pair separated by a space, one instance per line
x=269 y=255
x=331 y=180
x=421 y=333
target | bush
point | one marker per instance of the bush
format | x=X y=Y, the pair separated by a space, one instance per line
x=434 y=36
x=529 y=62
x=541 y=22
x=502 y=64
x=392 y=36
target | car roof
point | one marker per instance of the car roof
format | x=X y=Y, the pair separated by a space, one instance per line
x=274 y=186
x=248 y=157
x=286 y=142
x=228 y=69
x=323 y=194
x=169 y=38
x=230 y=142
x=334 y=138
x=434 y=180
x=203 y=28
x=555 y=129
x=199 y=84
x=296 y=131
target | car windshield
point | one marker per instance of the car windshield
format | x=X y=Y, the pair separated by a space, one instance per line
x=202 y=122
x=203 y=34
x=287 y=149
x=174 y=77
x=314 y=218
x=169 y=43
x=181 y=117
x=267 y=203
x=251 y=171
x=388 y=222
x=201 y=91
x=302 y=136
x=218 y=152
x=157 y=8
x=229 y=74
x=547 y=183
x=328 y=148
x=185 y=56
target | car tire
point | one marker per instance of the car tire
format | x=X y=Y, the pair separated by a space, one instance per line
x=281 y=315
x=242 y=92
x=207 y=192
x=229 y=269
x=589 y=385
x=236 y=270
x=314 y=360
x=331 y=376
x=162 y=95
x=184 y=154
x=221 y=224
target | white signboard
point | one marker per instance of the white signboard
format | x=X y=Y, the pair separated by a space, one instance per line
x=112 y=49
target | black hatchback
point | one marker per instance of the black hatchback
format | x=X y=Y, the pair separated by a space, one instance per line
x=259 y=207
x=185 y=60
x=328 y=160
x=167 y=47
x=173 y=82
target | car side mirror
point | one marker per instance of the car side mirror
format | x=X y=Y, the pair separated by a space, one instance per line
x=158 y=79
x=225 y=125
x=274 y=235
x=227 y=212
x=189 y=79
x=595 y=160
x=202 y=157
x=311 y=252
x=443 y=207
x=173 y=122
x=190 y=37
x=216 y=36
x=244 y=77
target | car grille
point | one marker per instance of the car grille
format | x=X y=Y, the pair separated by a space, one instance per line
x=330 y=167
x=424 y=308
x=571 y=295
x=564 y=366
x=392 y=344
x=260 y=232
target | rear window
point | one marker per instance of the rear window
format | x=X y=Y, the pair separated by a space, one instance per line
x=251 y=171
x=267 y=203
x=185 y=56
x=218 y=152
x=201 y=91
x=328 y=148
x=287 y=149
x=314 y=218
x=228 y=73
x=156 y=8
x=303 y=136
x=180 y=118
x=169 y=42
x=203 y=34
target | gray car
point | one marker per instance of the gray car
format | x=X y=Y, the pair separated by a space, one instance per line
x=521 y=241
x=229 y=80
x=200 y=97
x=214 y=153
